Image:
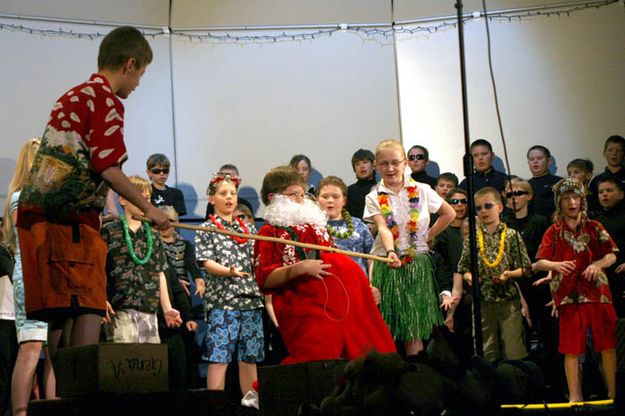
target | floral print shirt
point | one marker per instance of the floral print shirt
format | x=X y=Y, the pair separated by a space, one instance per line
x=360 y=241
x=129 y=285
x=515 y=256
x=84 y=137
x=588 y=243
x=228 y=292
x=270 y=256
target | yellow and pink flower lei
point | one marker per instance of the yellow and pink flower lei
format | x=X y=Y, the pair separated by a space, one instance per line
x=411 y=226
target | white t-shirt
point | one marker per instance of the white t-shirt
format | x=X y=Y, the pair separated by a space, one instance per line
x=7 y=310
x=429 y=202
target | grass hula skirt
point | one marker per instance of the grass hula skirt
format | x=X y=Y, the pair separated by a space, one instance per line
x=409 y=302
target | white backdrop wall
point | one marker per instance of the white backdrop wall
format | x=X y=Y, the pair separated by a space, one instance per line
x=560 y=81
x=37 y=70
x=256 y=105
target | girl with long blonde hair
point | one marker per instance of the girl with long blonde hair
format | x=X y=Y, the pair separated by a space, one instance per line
x=31 y=334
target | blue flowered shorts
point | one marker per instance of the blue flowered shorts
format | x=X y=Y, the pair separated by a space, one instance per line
x=230 y=329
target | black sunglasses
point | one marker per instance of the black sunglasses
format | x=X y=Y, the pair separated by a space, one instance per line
x=488 y=205
x=242 y=216
x=516 y=193
x=455 y=201
x=158 y=171
x=417 y=157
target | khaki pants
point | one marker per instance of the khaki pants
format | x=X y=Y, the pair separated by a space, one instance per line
x=502 y=329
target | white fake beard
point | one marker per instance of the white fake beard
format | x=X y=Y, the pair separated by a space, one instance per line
x=284 y=212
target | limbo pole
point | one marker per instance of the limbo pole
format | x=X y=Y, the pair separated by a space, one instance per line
x=274 y=240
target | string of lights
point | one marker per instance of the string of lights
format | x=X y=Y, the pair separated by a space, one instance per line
x=247 y=35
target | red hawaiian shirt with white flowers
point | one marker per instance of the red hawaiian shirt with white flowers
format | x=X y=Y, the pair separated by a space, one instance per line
x=84 y=137
x=588 y=243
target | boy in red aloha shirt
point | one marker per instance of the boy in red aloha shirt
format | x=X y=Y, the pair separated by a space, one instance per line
x=576 y=250
x=58 y=221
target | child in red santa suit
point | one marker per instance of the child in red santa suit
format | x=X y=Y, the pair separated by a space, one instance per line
x=323 y=302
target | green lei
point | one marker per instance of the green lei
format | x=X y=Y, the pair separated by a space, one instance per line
x=300 y=251
x=344 y=234
x=131 y=249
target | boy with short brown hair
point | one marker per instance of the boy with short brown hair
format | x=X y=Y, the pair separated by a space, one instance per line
x=158 y=166
x=502 y=258
x=81 y=154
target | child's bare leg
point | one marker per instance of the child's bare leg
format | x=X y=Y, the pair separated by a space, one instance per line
x=86 y=330
x=216 y=376
x=49 y=379
x=23 y=374
x=413 y=347
x=58 y=334
x=573 y=378
x=608 y=359
x=247 y=375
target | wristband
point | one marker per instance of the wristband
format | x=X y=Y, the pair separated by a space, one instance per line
x=390 y=251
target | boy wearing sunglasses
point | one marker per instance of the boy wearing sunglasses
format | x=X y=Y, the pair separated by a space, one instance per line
x=502 y=258
x=532 y=226
x=449 y=245
x=418 y=159
x=163 y=195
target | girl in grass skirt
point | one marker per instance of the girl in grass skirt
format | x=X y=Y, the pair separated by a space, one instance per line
x=400 y=208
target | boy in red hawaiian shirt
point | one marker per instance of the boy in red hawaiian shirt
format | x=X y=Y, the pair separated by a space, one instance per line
x=576 y=250
x=58 y=222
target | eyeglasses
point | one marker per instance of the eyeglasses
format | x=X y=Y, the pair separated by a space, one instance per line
x=158 y=171
x=416 y=157
x=462 y=201
x=394 y=163
x=242 y=217
x=486 y=206
x=516 y=193
x=296 y=195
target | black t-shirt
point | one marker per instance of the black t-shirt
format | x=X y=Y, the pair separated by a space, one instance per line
x=169 y=197
x=542 y=188
x=423 y=178
x=481 y=180
x=449 y=245
x=532 y=228
x=356 y=194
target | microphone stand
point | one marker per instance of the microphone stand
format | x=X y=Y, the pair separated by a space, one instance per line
x=468 y=173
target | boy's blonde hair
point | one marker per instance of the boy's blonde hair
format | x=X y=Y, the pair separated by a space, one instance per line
x=245 y=210
x=390 y=144
x=278 y=179
x=519 y=182
x=332 y=180
x=21 y=174
x=489 y=191
x=142 y=184
x=170 y=211
x=214 y=183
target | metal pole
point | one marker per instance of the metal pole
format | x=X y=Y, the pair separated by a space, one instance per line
x=468 y=173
